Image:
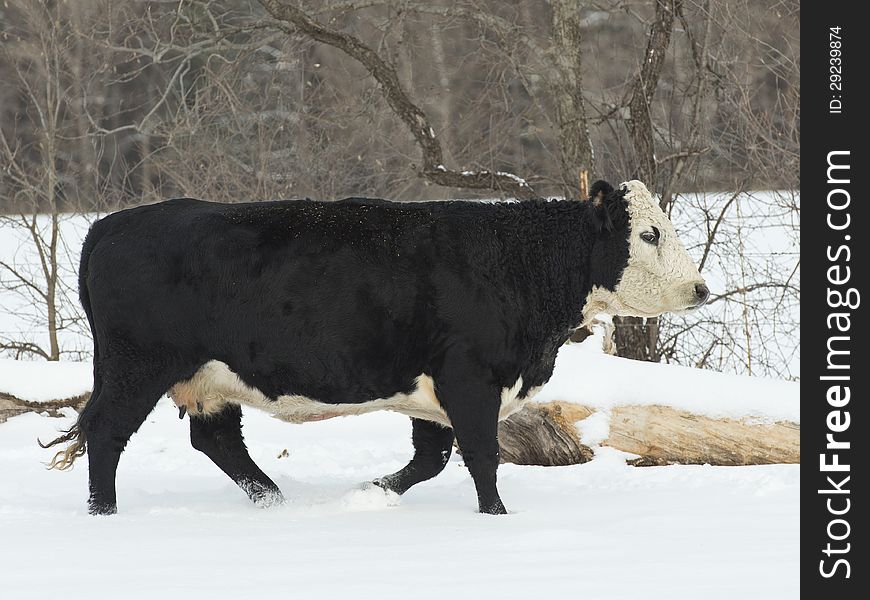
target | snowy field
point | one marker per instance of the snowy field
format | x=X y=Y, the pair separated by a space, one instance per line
x=602 y=530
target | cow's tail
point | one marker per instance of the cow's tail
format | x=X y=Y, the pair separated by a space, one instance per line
x=74 y=437
x=65 y=458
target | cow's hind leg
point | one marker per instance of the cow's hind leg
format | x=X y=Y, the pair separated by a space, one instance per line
x=127 y=394
x=219 y=437
x=432 y=446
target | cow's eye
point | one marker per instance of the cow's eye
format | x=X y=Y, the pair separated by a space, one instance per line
x=651 y=237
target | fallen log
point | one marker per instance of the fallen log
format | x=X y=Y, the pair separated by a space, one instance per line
x=11 y=405
x=547 y=434
x=666 y=435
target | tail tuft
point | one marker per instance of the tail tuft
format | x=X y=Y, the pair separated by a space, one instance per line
x=64 y=459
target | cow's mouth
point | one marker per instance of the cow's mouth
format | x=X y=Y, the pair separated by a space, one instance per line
x=700 y=297
x=695 y=306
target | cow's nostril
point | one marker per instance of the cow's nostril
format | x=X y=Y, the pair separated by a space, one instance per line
x=702 y=293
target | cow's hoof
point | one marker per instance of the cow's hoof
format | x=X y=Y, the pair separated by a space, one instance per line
x=102 y=508
x=262 y=495
x=494 y=509
x=269 y=500
x=386 y=484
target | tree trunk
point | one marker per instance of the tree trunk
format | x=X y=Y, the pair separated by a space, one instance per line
x=574 y=142
x=640 y=106
x=48 y=255
x=51 y=296
x=635 y=337
x=445 y=106
x=546 y=434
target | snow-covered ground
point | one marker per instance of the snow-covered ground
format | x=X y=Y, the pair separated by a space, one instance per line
x=602 y=530
x=39 y=381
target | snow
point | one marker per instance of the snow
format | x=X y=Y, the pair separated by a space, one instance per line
x=600 y=530
x=587 y=376
x=516 y=178
x=522 y=182
x=595 y=428
x=43 y=381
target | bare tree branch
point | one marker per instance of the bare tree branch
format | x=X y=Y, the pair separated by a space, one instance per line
x=682 y=154
x=502 y=27
x=751 y=288
x=21 y=348
x=711 y=235
x=25 y=281
x=412 y=116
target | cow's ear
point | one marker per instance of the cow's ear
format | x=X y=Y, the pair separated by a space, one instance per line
x=608 y=206
x=599 y=191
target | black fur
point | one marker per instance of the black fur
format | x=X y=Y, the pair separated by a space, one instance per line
x=341 y=302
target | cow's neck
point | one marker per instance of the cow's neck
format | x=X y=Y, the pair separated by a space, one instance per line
x=559 y=281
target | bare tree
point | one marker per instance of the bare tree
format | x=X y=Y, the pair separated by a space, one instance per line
x=39 y=69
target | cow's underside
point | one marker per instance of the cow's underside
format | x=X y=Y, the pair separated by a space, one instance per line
x=215 y=385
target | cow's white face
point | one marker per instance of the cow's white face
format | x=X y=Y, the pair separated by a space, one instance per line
x=659 y=275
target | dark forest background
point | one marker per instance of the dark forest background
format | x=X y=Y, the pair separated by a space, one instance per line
x=110 y=103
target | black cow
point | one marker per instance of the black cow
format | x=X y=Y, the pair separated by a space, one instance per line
x=449 y=312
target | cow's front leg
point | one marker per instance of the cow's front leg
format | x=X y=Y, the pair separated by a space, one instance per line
x=472 y=403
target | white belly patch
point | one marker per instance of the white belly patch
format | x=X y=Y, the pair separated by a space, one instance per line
x=215 y=385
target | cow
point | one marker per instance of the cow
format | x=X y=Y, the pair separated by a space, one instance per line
x=448 y=312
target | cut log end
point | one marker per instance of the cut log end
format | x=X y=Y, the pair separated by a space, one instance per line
x=541 y=434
